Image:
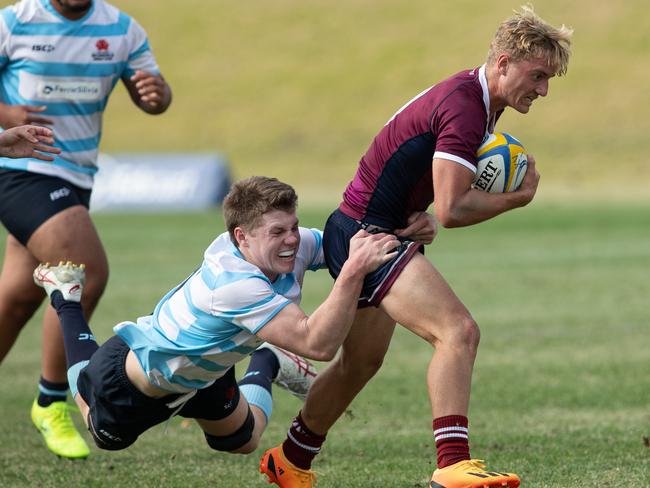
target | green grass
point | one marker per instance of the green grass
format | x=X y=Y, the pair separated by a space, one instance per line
x=561 y=387
x=297 y=90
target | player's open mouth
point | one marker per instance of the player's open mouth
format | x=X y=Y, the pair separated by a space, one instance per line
x=287 y=254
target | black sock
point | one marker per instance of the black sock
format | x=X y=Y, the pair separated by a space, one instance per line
x=79 y=341
x=50 y=392
x=263 y=367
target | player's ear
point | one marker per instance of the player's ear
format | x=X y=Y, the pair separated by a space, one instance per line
x=502 y=63
x=240 y=236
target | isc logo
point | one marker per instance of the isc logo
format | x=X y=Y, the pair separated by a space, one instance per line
x=60 y=193
x=44 y=48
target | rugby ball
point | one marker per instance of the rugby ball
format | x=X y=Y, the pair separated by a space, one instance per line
x=501 y=164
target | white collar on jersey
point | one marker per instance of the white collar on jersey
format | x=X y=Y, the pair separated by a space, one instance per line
x=486 y=94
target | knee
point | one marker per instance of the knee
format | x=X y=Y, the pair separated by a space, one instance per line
x=18 y=310
x=464 y=333
x=242 y=441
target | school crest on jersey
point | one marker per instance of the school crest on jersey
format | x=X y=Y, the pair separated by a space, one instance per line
x=103 y=52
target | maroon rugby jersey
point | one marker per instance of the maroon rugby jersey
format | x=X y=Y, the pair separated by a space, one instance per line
x=394 y=178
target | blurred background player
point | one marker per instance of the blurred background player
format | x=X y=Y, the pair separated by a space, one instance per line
x=429 y=146
x=59 y=62
x=244 y=297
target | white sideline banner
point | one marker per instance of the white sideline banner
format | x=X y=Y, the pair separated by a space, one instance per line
x=159 y=182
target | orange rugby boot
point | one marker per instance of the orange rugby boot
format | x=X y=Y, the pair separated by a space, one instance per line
x=471 y=474
x=284 y=474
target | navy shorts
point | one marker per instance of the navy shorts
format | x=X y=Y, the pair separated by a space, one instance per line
x=29 y=199
x=336 y=243
x=119 y=412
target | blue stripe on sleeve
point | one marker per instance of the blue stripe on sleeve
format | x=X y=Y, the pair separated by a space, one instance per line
x=140 y=51
x=271 y=315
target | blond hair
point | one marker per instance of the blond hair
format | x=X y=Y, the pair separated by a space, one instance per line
x=251 y=198
x=527 y=36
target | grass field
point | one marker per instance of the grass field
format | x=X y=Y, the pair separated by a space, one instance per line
x=561 y=387
x=297 y=90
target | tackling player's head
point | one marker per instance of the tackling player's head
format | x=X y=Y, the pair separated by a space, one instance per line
x=260 y=215
x=249 y=199
x=525 y=37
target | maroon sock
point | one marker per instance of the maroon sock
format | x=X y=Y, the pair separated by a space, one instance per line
x=301 y=445
x=452 y=442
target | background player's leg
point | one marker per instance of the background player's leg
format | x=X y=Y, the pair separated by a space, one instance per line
x=19 y=298
x=67 y=235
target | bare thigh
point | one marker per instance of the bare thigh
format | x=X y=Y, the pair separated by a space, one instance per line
x=423 y=302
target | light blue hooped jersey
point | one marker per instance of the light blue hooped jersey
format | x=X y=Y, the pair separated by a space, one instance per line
x=208 y=323
x=71 y=66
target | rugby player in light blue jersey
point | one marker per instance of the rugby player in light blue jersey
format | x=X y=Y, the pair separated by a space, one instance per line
x=242 y=300
x=59 y=62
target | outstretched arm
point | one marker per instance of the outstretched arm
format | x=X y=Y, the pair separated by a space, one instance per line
x=320 y=335
x=28 y=141
x=149 y=92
